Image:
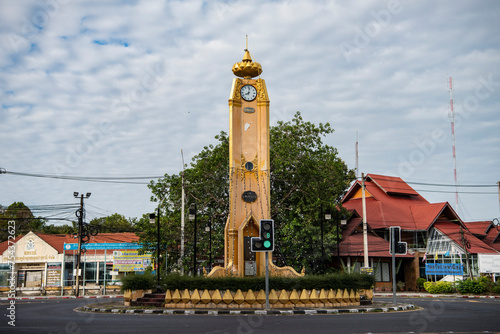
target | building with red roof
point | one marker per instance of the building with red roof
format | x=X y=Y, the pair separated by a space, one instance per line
x=433 y=232
x=41 y=261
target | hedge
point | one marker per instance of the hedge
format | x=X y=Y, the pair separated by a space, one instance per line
x=332 y=281
x=144 y=281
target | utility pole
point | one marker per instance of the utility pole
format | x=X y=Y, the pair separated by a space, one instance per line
x=192 y=216
x=183 y=200
x=365 y=228
x=466 y=246
x=80 y=215
x=158 y=251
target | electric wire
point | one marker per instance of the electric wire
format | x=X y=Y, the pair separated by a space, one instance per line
x=122 y=179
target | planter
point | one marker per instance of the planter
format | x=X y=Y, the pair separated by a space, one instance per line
x=210 y=299
x=132 y=295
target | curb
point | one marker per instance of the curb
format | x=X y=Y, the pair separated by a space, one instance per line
x=251 y=312
x=434 y=296
x=59 y=297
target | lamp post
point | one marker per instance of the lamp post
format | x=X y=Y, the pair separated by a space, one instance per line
x=192 y=216
x=327 y=216
x=342 y=223
x=208 y=229
x=152 y=219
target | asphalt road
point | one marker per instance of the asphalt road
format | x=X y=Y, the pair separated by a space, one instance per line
x=437 y=316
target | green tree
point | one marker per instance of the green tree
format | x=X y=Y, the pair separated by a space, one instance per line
x=24 y=218
x=306 y=175
x=113 y=224
x=58 y=229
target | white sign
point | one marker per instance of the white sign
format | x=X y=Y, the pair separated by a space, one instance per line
x=489 y=263
x=113 y=273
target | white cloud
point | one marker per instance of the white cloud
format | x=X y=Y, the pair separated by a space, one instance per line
x=74 y=100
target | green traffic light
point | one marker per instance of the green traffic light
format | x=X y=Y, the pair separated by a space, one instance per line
x=267 y=244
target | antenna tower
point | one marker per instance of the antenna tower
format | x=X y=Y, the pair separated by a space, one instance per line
x=451 y=115
x=357 y=156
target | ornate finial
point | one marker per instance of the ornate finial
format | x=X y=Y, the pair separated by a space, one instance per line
x=247 y=68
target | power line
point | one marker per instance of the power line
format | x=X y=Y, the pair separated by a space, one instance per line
x=460 y=192
x=121 y=179
x=103 y=179
x=443 y=185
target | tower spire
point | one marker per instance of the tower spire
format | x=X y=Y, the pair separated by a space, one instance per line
x=247 y=68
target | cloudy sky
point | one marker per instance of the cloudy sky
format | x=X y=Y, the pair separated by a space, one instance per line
x=118 y=88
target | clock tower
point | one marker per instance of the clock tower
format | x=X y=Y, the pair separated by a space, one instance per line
x=249 y=167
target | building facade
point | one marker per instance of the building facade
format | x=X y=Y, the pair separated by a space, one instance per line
x=437 y=238
x=43 y=262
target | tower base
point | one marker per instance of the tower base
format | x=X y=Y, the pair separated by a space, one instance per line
x=230 y=271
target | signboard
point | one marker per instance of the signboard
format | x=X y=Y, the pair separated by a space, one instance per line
x=53 y=274
x=249 y=196
x=489 y=263
x=130 y=261
x=367 y=270
x=444 y=269
x=92 y=246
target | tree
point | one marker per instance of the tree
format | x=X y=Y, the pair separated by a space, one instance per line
x=306 y=175
x=24 y=218
x=113 y=224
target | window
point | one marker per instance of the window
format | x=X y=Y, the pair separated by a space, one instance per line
x=5 y=274
x=382 y=272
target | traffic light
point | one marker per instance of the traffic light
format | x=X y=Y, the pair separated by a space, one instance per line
x=265 y=243
x=395 y=241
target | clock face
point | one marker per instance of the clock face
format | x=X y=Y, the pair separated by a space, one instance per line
x=248 y=92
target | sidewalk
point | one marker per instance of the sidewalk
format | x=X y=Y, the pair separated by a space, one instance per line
x=411 y=294
x=59 y=297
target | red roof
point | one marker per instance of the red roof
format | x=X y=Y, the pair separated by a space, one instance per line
x=352 y=242
x=394 y=203
x=479 y=228
x=58 y=240
x=377 y=247
x=392 y=185
x=453 y=232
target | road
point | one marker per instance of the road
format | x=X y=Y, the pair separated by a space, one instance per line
x=436 y=316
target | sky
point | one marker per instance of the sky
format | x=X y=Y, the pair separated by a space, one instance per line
x=117 y=89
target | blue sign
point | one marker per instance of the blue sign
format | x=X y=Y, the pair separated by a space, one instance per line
x=93 y=246
x=444 y=269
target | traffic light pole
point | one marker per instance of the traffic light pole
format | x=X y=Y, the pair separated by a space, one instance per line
x=393 y=246
x=267 y=280
x=79 y=251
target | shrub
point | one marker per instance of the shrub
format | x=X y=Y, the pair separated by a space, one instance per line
x=420 y=283
x=496 y=288
x=471 y=286
x=439 y=287
x=138 y=282
x=331 y=281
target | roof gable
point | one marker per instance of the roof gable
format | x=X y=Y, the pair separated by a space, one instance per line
x=479 y=228
x=392 y=185
x=453 y=232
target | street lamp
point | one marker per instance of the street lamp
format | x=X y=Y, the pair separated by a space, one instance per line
x=327 y=216
x=208 y=229
x=152 y=219
x=343 y=222
x=192 y=216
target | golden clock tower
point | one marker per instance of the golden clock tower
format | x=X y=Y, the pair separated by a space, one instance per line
x=249 y=166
